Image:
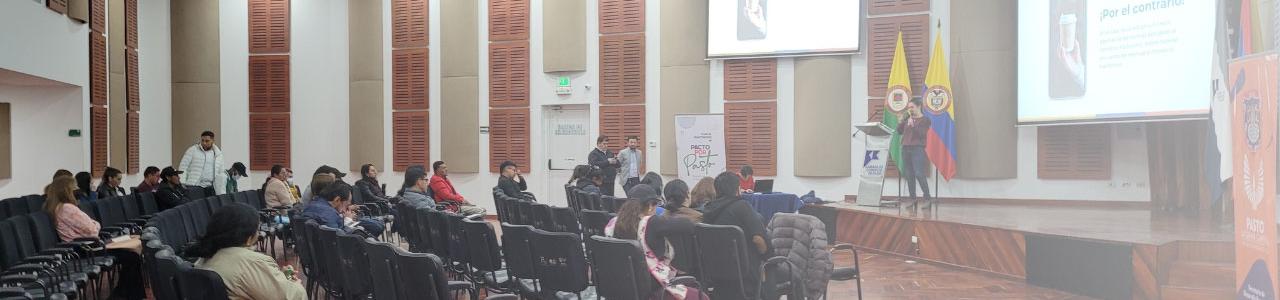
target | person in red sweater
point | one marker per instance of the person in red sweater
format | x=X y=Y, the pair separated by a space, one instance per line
x=444 y=192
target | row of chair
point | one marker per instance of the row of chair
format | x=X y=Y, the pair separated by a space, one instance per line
x=169 y=232
x=20 y=206
x=35 y=263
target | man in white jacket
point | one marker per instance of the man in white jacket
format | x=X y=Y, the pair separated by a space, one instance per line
x=201 y=162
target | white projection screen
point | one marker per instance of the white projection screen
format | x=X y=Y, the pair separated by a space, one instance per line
x=1083 y=61
x=753 y=28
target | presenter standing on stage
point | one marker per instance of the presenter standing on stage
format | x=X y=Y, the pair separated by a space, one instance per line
x=914 y=128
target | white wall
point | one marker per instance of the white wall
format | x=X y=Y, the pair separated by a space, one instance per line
x=233 y=59
x=156 y=85
x=41 y=42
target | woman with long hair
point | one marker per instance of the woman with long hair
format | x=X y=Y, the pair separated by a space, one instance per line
x=368 y=186
x=677 y=195
x=703 y=192
x=636 y=220
x=64 y=209
x=579 y=172
x=227 y=250
x=110 y=184
x=84 y=188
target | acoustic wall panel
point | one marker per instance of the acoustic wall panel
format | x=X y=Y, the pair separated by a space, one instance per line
x=621 y=121
x=409 y=137
x=196 y=72
x=983 y=43
x=751 y=79
x=459 y=39
x=823 y=102
x=367 y=123
x=460 y=123
x=753 y=126
x=269 y=83
x=508 y=20
x=116 y=143
x=269 y=143
x=882 y=39
x=409 y=23
x=133 y=134
x=268 y=26
x=564 y=35
x=622 y=70
x=509 y=74
x=366 y=83
x=98 y=139
x=1074 y=152
x=684 y=33
x=621 y=16
x=97 y=69
x=508 y=136
x=98 y=15
x=409 y=79
x=685 y=90
x=878 y=7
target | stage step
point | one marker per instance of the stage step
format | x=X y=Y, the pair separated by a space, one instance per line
x=1202 y=275
x=1178 y=293
x=1210 y=252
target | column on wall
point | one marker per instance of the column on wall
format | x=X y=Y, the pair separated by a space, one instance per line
x=751 y=115
x=622 y=69
x=195 y=61
x=123 y=94
x=884 y=20
x=683 y=70
x=98 y=126
x=133 y=96
x=460 y=85
x=366 y=83
x=508 y=82
x=269 y=93
x=410 y=135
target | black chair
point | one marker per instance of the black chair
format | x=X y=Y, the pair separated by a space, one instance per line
x=196 y=192
x=688 y=262
x=485 y=256
x=421 y=275
x=201 y=284
x=331 y=275
x=458 y=260
x=34 y=202
x=609 y=203
x=355 y=266
x=437 y=232
x=595 y=203
x=313 y=268
x=382 y=269
x=164 y=284
x=517 y=251
x=571 y=197
x=722 y=258
x=565 y=220
x=593 y=222
x=35 y=279
x=148 y=202
x=133 y=210
x=16 y=206
x=847 y=273
x=200 y=215
x=540 y=217
x=524 y=212
x=621 y=272
x=561 y=265
x=500 y=203
x=4 y=208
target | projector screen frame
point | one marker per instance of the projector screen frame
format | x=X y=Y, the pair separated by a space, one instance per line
x=862 y=40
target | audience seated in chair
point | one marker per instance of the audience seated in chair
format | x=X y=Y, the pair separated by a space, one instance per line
x=444 y=192
x=227 y=250
x=276 y=190
x=416 y=186
x=677 y=195
x=150 y=180
x=729 y=209
x=110 y=184
x=73 y=224
x=703 y=192
x=171 y=193
x=592 y=181
x=636 y=221
x=512 y=183
x=84 y=189
x=368 y=187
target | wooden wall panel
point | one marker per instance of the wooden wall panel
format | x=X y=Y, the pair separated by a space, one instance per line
x=269 y=143
x=1074 y=152
x=882 y=39
x=132 y=136
x=98 y=139
x=753 y=129
x=97 y=69
x=995 y=250
x=621 y=121
x=509 y=74
x=410 y=131
x=410 y=26
x=874 y=231
x=622 y=69
x=269 y=83
x=131 y=80
x=751 y=79
x=621 y=16
x=564 y=38
x=508 y=20
x=268 y=26
x=879 y=7
x=409 y=79
x=131 y=23
x=98 y=15
x=823 y=101
x=59 y=6
x=6 y=141
x=508 y=136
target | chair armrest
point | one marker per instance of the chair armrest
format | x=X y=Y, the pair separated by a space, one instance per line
x=688 y=281
x=28 y=268
x=502 y=297
x=462 y=285
x=20 y=279
x=46 y=260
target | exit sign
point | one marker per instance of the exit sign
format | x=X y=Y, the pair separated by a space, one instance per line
x=564 y=87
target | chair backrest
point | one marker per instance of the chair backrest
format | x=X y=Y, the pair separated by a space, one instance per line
x=524 y=212
x=517 y=250
x=170 y=267
x=571 y=197
x=34 y=202
x=438 y=232
x=687 y=261
x=458 y=251
x=609 y=203
x=559 y=260
x=620 y=269
x=111 y=211
x=254 y=199
x=499 y=204
x=196 y=192
x=382 y=269
x=9 y=252
x=22 y=236
x=201 y=284
x=200 y=214
x=355 y=265
x=594 y=198
x=188 y=220
x=565 y=220
x=225 y=199
x=421 y=228
x=45 y=232
x=327 y=250
x=132 y=210
x=420 y=276
x=89 y=208
x=482 y=243
x=148 y=201
x=540 y=216
x=593 y=222
x=722 y=257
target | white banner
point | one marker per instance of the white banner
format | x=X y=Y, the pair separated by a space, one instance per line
x=699 y=146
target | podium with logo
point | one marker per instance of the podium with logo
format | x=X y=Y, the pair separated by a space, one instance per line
x=877 y=137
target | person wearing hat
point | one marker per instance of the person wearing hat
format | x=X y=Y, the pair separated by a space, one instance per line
x=511 y=183
x=201 y=162
x=233 y=175
x=171 y=193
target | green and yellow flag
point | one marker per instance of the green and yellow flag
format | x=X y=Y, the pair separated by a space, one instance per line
x=896 y=100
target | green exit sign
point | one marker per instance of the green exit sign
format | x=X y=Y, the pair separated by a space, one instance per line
x=564 y=87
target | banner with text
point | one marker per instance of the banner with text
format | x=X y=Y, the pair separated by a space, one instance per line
x=699 y=146
x=1253 y=136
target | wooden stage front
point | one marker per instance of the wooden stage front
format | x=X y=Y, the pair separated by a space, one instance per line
x=1102 y=252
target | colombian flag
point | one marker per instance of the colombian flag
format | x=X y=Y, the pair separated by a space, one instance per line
x=941 y=145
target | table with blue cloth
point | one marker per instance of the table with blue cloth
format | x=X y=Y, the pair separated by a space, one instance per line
x=769 y=204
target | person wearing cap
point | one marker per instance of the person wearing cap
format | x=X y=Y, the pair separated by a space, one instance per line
x=150 y=180
x=323 y=176
x=233 y=176
x=171 y=193
x=511 y=183
x=201 y=163
x=443 y=189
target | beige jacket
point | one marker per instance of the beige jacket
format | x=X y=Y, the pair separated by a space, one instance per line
x=252 y=275
x=278 y=194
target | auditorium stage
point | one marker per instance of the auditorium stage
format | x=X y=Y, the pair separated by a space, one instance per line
x=1108 y=251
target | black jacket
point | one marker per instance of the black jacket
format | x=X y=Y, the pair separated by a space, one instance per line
x=170 y=196
x=370 y=191
x=734 y=211
x=512 y=188
x=600 y=159
x=105 y=191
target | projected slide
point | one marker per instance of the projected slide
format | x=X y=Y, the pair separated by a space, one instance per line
x=779 y=27
x=1110 y=60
